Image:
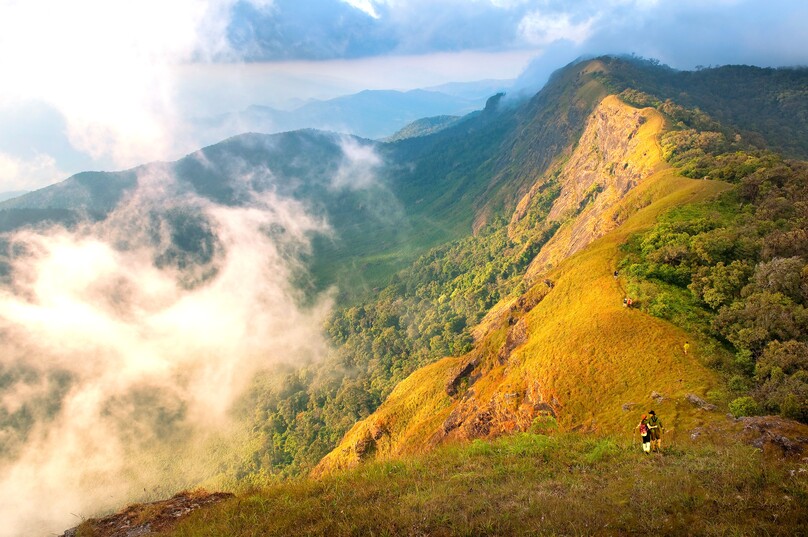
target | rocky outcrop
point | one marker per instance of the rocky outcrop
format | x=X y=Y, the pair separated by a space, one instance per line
x=616 y=152
x=773 y=435
x=148 y=518
x=506 y=412
x=699 y=402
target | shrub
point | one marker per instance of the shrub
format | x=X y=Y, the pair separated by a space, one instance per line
x=744 y=406
x=793 y=409
x=738 y=383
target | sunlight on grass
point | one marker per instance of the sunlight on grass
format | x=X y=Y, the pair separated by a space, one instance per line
x=530 y=484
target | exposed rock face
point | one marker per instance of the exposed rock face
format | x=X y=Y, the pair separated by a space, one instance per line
x=774 y=435
x=699 y=402
x=504 y=413
x=148 y=518
x=615 y=153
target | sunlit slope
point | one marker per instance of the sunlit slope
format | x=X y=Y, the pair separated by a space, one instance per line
x=572 y=355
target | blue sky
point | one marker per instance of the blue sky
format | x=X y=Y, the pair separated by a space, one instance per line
x=106 y=84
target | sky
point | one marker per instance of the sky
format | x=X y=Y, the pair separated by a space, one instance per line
x=108 y=84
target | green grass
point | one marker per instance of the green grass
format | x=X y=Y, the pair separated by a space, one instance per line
x=569 y=484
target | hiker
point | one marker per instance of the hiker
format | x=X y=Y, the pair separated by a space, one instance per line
x=625 y=302
x=655 y=431
x=616 y=274
x=686 y=347
x=630 y=302
x=645 y=434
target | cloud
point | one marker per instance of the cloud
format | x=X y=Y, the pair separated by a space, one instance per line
x=365 y=6
x=116 y=74
x=126 y=352
x=540 y=29
x=19 y=174
x=365 y=28
x=359 y=167
x=109 y=68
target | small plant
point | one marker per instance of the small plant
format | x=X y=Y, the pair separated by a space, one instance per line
x=792 y=409
x=744 y=406
x=543 y=424
x=602 y=450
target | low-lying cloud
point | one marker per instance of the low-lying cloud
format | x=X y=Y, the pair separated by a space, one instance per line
x=359 y=167
x=121 y=353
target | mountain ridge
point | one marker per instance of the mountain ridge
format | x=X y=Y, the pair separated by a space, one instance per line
x=503 y=389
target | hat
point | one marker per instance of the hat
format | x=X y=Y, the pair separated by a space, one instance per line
x=652 y=412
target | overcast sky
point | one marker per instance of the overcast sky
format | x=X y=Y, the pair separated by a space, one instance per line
x=107 y=84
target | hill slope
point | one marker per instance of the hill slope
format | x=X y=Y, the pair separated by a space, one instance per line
x=520 y=485
x=571 y=352
x=386 y=203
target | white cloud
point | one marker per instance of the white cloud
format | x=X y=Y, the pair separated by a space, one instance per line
x=366 y=6
x=18 y=174
x=93 y=305
x=541 y=29
x=359 y=165
x=108 y=66
x=508 y=4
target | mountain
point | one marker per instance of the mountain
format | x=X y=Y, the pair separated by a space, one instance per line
x=473 y=90
x=430 y=187
x=422 y=127
x=8 y=195
x=536 y=354
x=368 y=114
x=765 y=105
x=481 y=274
x=549 y=350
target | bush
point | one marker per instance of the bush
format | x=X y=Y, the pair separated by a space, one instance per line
x=744 y=406
x=793 y=409
x=738 y=383
x=745 y=361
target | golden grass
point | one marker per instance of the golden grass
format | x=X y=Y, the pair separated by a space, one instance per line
x=568 y=484
x=593 y=354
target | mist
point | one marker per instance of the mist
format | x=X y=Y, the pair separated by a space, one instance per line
x=121 y=353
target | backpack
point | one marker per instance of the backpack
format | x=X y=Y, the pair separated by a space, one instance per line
x=643 y=429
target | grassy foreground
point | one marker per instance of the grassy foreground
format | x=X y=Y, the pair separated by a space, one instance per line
x=568 y=484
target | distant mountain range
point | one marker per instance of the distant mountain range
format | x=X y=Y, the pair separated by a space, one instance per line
x=370 y=114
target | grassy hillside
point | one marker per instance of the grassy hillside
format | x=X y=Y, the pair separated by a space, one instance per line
x=571 y=352
x=581 y=358
x=526 y=484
